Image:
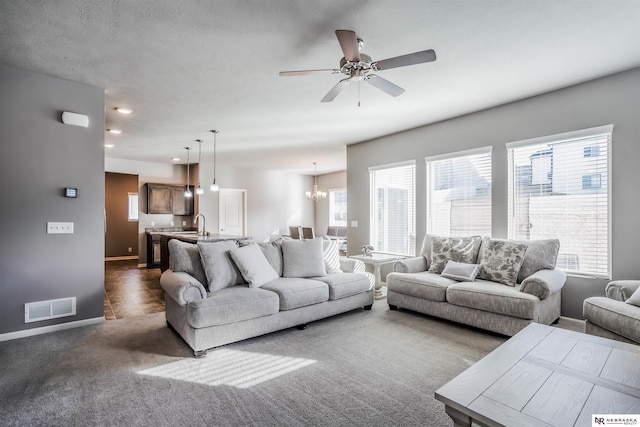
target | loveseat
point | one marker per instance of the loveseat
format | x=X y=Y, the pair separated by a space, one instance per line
x=220 y=292
x=492 y=284
x=616 y=315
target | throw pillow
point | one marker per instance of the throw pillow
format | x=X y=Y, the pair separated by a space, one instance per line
x=220 y=270
x=460 y=271
x=253 y=265
x=501 y=261
x=634 y=299
x=303 y=258
x=185 y=257
x=459 y=249
x=273 y=252
x=331 y=254
x=540 y=255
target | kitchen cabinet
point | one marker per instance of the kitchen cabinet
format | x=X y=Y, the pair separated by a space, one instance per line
x=168 y=199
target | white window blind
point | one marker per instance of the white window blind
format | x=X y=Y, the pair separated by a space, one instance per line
x=559 y=188
x=338 y=207
x=393 y=208
x=459 y=193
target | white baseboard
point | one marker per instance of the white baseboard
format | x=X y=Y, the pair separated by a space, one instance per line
x=48 y=329
x=120 y=258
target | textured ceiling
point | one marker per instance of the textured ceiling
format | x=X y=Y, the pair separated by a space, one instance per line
x=185 y=67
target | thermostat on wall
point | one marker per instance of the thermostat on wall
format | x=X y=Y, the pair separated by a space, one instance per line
x=71 y=192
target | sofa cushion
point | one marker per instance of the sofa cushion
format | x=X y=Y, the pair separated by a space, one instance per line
x=229 y=305
x=460 y=271
x=424 y=285
x=273 y=253
x=298 y=292
x=185 y=257
x=540 y=255
x=220 y=270
x=344 y=285
x=495 y=298
x=253 y=265
x=459 y=249
x=331 y=254
x=303 y=258
x=501 y=261
x=615 y=316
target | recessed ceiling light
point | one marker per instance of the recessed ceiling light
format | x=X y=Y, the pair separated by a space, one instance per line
x=175 y=159
x=114 y=131
x=124 y=110
x=109 y=145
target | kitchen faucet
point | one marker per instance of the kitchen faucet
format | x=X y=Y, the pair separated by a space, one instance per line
x=204 y=222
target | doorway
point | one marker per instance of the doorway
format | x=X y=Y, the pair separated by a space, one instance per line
x=121 y=216
x=232 y=212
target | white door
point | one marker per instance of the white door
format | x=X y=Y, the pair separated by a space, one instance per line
x=232 y=211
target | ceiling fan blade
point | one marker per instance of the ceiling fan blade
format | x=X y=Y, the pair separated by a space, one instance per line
x=309 y=72
x=335 y=91
x=384 y=85
x=349 y=44
x=404 y=60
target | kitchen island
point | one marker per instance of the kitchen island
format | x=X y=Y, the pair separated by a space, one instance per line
x=189 y=237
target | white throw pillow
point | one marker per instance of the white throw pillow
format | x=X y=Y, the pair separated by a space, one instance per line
x=331 y=256
x=253 y=265
x=634 y=299
x=303 y=258
x=461 y=271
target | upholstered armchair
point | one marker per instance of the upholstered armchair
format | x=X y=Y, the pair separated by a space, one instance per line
x=616 y=315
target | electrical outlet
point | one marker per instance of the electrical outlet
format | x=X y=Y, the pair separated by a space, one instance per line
x=354 y=224
x=59 y=228
x=153 y=223
x=184 y=223
x=129 y=249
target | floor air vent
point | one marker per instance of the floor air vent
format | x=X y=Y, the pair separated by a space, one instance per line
x=44 y=310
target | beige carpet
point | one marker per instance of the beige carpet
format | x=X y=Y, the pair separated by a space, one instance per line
x=363 y=368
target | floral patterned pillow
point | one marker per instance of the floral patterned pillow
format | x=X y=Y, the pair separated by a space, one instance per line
x=501 y=261
x=459 y=249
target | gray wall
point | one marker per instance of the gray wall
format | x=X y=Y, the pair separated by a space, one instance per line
x=41 y=156
x=610 y=100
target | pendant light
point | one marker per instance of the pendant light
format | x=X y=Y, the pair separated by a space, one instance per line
x=187 y=193
x=214 y=186
x=316 y=194
x=199 y=190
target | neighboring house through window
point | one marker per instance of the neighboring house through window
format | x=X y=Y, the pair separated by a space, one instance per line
x=559 y=188
x=459 y=193
x=393 y=208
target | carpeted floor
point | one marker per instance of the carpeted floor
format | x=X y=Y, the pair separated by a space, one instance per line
x=363 y=368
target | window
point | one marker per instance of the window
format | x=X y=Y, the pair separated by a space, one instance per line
x=459 y=193
x=338 y=207
x=132 y=204
x=572 y=204
x=393 y=208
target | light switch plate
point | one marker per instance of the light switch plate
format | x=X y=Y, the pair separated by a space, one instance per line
x=354 y=224
x=59 y=228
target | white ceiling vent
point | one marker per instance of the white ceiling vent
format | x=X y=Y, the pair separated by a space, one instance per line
x=44 y=310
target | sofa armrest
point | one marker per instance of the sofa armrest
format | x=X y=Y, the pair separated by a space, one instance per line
x=350 y=265
x=543 y=283
x=410 y=265
x=182 y=287
x=621 y=290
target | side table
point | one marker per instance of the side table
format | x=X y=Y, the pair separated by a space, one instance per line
x=377 y=260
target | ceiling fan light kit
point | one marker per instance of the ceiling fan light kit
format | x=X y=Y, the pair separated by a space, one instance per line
x=357 y=66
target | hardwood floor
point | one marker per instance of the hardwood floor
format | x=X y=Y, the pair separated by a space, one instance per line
x=130 y=291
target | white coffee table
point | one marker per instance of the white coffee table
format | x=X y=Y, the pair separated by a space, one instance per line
x=377 y=260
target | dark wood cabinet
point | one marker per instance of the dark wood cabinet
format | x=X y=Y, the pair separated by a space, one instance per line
x=168 y=199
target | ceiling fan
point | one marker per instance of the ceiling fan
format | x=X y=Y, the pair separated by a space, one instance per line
x=358 y=66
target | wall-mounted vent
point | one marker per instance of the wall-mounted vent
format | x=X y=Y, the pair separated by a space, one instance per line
x=44 y=310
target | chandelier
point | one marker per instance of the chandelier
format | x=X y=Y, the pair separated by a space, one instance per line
x=315 y=195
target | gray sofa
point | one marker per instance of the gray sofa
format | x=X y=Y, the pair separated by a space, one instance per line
x=614 y=316
x=533 y=294
x=218 y=293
